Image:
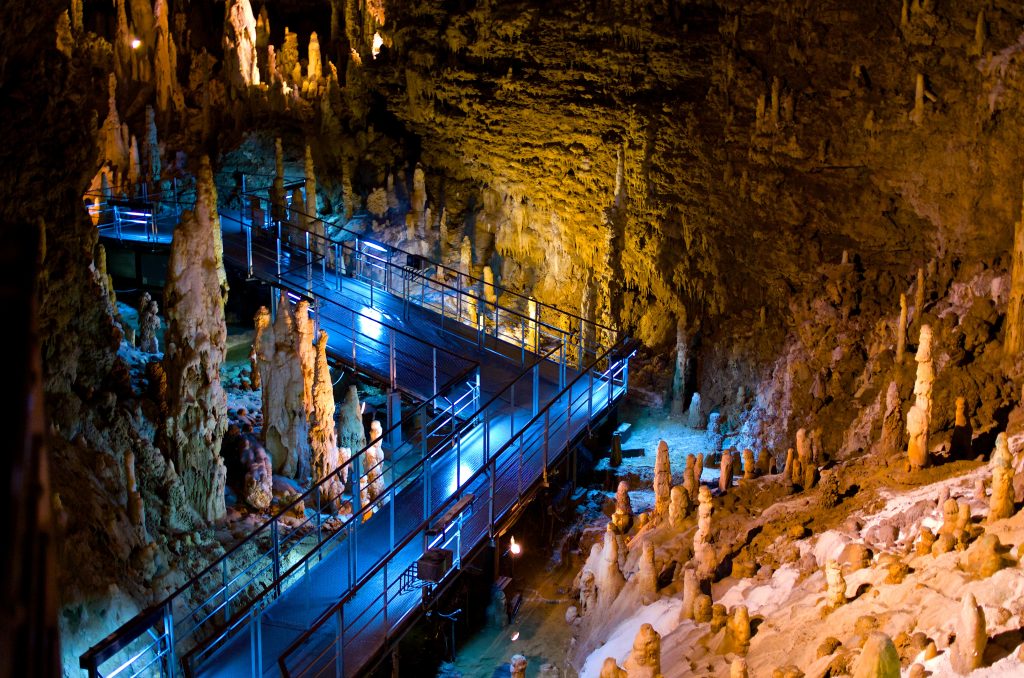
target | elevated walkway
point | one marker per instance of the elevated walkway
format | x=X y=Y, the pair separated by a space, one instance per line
x=504 y=390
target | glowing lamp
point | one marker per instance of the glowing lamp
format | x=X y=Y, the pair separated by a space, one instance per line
x=377 y=42
x=514 y=547
x=515 y=636
x=136 y=43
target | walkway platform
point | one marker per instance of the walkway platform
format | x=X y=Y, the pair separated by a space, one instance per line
x=504 y=390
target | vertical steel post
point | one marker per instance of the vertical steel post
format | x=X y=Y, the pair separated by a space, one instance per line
x=547 y=427
x=276 y=538
x=434 y=361
x=248 y=251
x=536 y=389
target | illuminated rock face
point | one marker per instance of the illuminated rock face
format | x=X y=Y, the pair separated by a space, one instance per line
x=240 y=44
x=196 y=339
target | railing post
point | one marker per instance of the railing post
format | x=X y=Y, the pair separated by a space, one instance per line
x=512 y=411
x=434 y=365
x=339 y=661
x=248 y=251
x=309 y=264
x=276 y=538
x=547 y=427
x=536 y=389
x=392 y=365
x=590 y=395
x=355 y=358
x=426 y=486
x=170 y=659
x=278 y=245
x=224 y=588
x=338 y=265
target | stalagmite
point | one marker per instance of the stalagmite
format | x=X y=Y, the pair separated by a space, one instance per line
x=738 y=668
x=419 y=193
x=312 y=224
x=917 y=115
x=678 y=507
x=791 y=472
x=135 y=513
x=240 y=59
x=749 y=470
x=149 y=326
x=609 y=669
x=901 y=330
x=919 y=416
x=531 y=325
x=466 y=256
x=517 y=666
x=277 y=193
x=645 y=659
x=725 y=472
x=588 y=592
x=623 y=516
x=1013 y=342
x=371 y=485
x=258 y=485
x=258 y=356
x=489 y=295
x=647 y=576
x=662 y=482
x=679 y=374
x=703 y=552
x=322 y=434
x=351 y=434
x=1001 y=502
x=314 y=69
x=836 y=584
x=702 y=608
x=691 y=589
x=693 y=419
x=691 y=477
x=609 y=579
x=919 y=299
x=980 y=33
x=285 y=424
x=737 y=630
x=878 y=658
x=968 y=650
x=196 y=344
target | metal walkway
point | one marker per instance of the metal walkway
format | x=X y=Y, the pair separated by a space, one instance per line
x=504 y=389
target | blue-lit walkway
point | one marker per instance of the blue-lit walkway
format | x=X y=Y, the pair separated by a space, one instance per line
x=504 y=391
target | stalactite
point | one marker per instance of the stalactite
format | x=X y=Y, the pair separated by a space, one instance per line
x=1014 y=337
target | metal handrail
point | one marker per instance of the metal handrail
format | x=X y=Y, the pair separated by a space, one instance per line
x=415 y=532
x=438 y=448
x=257 y=193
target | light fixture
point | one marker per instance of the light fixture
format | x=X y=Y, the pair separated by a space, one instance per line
x=377 y=42
x=515 y=636
x=373 y=245
x=136 y=43
x=514 y=548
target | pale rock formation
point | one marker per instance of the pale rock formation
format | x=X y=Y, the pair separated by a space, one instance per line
x=169 y=97
x=277 y=192
x=419 y=193
x=1013 y=342
x=196 y=341
x=489 y=294
x=835 y=583
x=682 y=356
x=738 y=668
x=702 y=608
x=314 y=65
x=323 y=437
x=149 y=326
x=749 y=469
x=803 y=448
x=919 y=416
x=645 y=659
x=351 y=434
x=901 y=330
x=307 y=352
x=737 y=631
x=135 y=509
x=258 y=354
x=623 y=516
x=240 y=60
x=968 y=650
x=678 y=507
x=65 y=39
x=285 y=423
x=609 y=669
x=371 y=485
x=917 y=115
x=1001 y=502
x=693 y=418
x=878 y=658
x=588 y=592
x=691 y=477
x=662 y=482
x=703 y=552
x=517 y=666
x=465 y=255
x=312 y=224
x=647 y=575
x=791 y=471
x=725 y=472
x=531 y=338
x=258 y=489
x=691 y=589
x=609 y=578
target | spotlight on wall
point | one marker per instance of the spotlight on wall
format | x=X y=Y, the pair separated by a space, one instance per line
x=136 y=43
x=377 y=42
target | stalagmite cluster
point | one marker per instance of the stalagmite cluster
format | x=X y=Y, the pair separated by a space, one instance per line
x=196 y=343
x=322 y=434
x=285 y=406
x=703 y=552
x=645 y=659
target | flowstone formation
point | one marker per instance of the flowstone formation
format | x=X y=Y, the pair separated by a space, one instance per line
x=285 y=407
x=196 y=342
